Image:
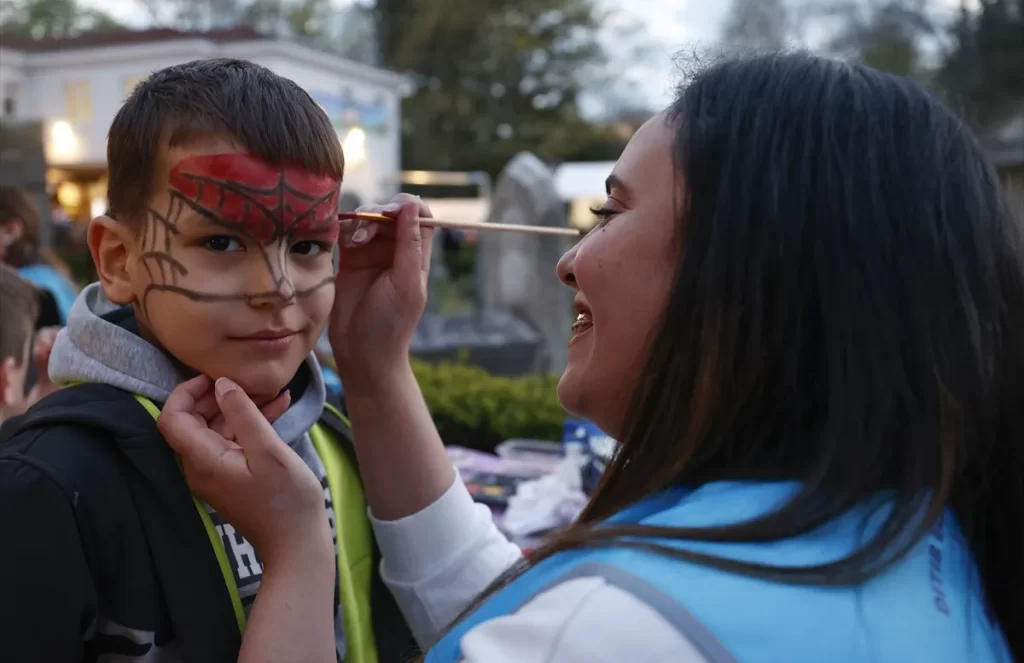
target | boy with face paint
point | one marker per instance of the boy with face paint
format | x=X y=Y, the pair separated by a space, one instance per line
x=215 y=260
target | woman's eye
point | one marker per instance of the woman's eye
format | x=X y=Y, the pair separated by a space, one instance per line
x=309 y=249
x=223 y=244
x=603 y=214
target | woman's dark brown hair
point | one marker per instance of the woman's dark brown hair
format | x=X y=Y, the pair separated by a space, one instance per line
x=848 y=313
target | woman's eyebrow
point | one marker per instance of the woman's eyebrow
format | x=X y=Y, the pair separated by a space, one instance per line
x=616 y=187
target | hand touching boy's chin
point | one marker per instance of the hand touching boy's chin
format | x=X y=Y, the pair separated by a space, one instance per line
x=262 y=364
x=260 y=357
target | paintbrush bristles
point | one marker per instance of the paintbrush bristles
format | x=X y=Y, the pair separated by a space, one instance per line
x=467 y=225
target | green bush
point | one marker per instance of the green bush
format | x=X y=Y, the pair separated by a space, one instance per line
x=475 y=409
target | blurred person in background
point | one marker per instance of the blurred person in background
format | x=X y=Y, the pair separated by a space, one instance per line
x=19 y=247
x=21 y=349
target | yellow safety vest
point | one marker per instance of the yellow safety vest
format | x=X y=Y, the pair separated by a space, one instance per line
x=355 y=543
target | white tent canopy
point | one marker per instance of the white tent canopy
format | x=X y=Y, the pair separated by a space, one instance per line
x=582 y=180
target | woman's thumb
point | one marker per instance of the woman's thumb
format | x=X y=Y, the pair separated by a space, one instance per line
x=252 y=430
x=408 y=244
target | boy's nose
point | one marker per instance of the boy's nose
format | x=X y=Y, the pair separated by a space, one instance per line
x=283 y=292
x=271 y=283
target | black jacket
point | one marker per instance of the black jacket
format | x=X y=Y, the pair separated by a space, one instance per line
x=96 y=521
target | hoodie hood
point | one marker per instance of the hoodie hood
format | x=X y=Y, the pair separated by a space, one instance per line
x=101 y=344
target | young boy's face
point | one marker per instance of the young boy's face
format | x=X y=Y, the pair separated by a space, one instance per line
x=232 y=272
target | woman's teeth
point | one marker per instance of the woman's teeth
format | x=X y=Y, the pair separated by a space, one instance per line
x=583 y=322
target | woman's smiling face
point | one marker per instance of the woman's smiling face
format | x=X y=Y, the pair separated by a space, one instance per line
x=622 y=272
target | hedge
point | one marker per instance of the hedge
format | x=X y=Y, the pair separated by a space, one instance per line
x=475 y=409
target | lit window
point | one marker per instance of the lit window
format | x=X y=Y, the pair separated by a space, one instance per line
x=77 y=102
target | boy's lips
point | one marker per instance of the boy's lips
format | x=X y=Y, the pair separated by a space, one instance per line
x=268 y=334
x=269 y=339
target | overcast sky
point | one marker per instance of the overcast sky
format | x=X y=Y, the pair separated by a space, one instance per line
x=671 y=26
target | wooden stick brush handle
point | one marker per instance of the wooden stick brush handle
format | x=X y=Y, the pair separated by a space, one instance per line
x=467 y=225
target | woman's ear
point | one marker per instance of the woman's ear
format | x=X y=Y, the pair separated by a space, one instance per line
x=112 y=245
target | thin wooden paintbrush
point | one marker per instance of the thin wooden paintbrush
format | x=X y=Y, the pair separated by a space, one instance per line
x=466 y=225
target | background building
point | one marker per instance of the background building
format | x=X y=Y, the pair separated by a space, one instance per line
x=62 y=94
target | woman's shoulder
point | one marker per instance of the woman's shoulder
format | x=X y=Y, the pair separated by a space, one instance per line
x=582 y=619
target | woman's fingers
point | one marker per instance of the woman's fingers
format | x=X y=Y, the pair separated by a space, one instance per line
x=252 y=431
x=271 y=412
x=380 y=253
x=200 y=448
x=187 y=395
x=408 y=255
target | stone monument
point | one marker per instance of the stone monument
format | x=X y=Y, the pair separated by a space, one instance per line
x=522 y=313
x=516 y=271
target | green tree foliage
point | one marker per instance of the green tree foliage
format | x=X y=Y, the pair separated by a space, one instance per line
x=40 y=19
x=983 y=72
x=756 y=25
x=494 y=78
x=277 y=17
x=884 y=34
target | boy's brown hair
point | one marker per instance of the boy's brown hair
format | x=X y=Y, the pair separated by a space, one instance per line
x=19 y=306
x=269 y=116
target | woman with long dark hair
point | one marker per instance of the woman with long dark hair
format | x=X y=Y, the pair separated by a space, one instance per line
x=802 y=314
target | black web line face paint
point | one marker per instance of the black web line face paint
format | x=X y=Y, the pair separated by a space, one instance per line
x=272 y=206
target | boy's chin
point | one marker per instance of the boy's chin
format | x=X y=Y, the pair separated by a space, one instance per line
x=262 y=386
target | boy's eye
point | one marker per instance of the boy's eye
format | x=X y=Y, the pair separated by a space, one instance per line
x=308 y=249
x=223 y=244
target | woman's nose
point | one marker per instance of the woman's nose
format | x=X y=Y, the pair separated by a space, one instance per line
x=567 y=266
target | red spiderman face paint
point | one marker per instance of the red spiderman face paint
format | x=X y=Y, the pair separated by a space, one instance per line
x=243 y=193
x=283 y=217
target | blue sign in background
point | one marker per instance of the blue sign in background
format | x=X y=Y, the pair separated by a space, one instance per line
x=346 y=112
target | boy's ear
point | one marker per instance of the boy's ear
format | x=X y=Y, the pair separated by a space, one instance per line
x=111 y=245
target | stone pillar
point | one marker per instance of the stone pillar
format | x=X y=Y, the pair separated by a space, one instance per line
x=517 y=271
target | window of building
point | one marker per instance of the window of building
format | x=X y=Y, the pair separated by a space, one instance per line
x=9 y=105
x=77 y=102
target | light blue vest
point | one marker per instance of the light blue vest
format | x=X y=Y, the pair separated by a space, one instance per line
x=48 y=278
x=928 y=608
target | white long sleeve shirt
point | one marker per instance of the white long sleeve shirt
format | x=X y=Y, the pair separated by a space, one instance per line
x=438 y=560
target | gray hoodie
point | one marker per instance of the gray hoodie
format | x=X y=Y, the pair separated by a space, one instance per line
x=94 y=348
x=91 y=349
